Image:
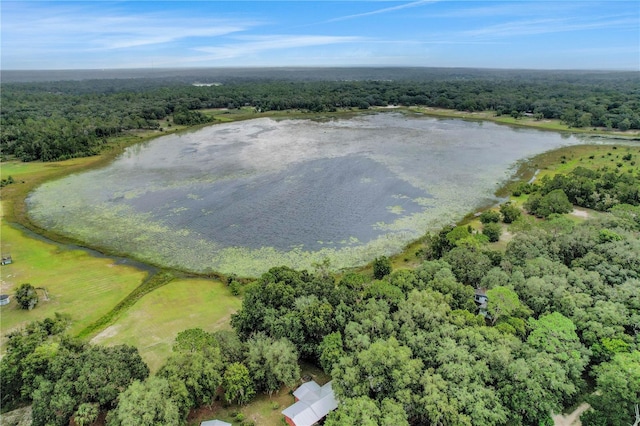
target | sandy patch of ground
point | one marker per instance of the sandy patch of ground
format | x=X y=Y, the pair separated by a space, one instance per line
x=580 y=213
x=571 y=419
x=110 y=331
x=506 y=236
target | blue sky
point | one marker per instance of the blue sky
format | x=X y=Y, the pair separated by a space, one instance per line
x=538 y=34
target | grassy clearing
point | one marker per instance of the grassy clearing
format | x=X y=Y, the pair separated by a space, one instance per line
x=154 y=321
x=152 y=283
x=589 y=156
x=78 y=283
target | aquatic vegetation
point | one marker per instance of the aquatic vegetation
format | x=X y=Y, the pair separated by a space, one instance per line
x=243 y=197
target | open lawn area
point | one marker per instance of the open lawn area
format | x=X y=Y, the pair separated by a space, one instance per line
x=154 y=321
x=77 y=283
x=591 y=157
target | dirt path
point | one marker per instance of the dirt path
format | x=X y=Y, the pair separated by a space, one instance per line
x=572 y=419
x=580 y=213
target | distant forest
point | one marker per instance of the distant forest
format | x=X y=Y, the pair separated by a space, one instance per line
x=56 y=120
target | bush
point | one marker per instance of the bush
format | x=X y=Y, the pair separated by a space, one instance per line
x=555 y=201
x=492 y=231
x=509 y=212
x=525 y=188
x=490 y=216
x=234 y=287
x=26 y=296
x=381 y=267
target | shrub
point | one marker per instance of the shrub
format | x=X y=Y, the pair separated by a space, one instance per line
x=234 y=287
x=490 y=216
x=381 y=267
x=492 y=231
x=510 y=213
x=26 y=296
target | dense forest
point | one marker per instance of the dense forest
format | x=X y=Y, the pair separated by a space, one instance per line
x=403 y=347
x=64 y=119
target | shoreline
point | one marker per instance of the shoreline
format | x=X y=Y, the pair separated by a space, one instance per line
x=15 y=209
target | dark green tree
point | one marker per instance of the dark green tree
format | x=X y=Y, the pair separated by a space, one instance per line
x=555 y=201
x=272 y=363
x=381 y=267
x=237 y=384
x=147 y=403
x=492 y=231
x=386 y=369
x=363 y=411
x=618 y=396
x=489 y=216
x=509 y=212
x=26 y=296
x=331 y=350
x=194 y=340
x=85 y=375
x=199 y=372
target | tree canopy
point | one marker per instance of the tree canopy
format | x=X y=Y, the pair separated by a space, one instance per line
x=65 y=119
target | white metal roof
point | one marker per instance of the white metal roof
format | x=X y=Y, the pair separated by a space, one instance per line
x=307 y=391
x=215 y=423
x=314 y=406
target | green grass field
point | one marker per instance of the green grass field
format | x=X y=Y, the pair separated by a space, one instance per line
x=154 y=321
x=589 y=156
x=77 y=283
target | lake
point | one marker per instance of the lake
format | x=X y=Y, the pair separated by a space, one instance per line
x=243 y=197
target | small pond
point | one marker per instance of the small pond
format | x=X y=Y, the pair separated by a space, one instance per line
x=243 y=197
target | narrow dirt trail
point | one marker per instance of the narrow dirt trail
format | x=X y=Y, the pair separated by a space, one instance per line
x=571 y=419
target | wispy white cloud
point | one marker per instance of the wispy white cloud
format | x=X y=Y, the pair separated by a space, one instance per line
x=252 y=45
x=551 y=25
x=384 y=10
x=44 y=27
x=507 y=8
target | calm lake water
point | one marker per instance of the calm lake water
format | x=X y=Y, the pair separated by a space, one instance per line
x=243 y=197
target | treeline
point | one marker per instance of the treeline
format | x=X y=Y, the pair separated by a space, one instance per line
x=57 y=120
x=404 y=347
x=66 y=379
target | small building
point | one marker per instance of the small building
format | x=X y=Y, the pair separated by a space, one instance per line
x=481 y=299
x=306 y=391
x=313 y=403
x=4 y=299
x=6 y=259
x=215 y=423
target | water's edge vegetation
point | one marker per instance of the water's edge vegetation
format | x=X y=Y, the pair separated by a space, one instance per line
x=341 y=349
x=14 y=197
